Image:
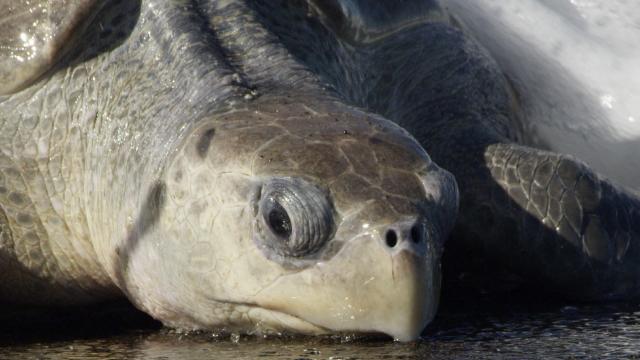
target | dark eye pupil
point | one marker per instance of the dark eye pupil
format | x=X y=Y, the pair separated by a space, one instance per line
x=279 y=221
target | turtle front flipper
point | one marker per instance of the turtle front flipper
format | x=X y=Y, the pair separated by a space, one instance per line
x=551 y=218
x=35 y=34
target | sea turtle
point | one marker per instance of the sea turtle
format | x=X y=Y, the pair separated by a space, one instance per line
x=260 y=166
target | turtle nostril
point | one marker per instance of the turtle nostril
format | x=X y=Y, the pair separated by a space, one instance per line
x=416 y=234
x=391 y=238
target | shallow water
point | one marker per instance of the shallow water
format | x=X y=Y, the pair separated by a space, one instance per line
x=471 y=328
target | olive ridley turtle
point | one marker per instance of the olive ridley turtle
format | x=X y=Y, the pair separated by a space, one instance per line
x=262 y=166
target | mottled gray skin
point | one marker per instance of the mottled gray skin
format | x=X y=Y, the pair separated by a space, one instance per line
x=164 y=122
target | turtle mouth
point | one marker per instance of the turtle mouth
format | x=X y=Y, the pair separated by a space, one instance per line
x=275 y=322
x=268 y=320
x=264 y=321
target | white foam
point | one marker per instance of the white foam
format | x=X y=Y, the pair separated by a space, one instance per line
x=576 y=64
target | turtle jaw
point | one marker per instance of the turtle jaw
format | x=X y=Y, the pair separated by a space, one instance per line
x=365 y=288
x=418 y=293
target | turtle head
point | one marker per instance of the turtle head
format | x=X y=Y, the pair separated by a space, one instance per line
x=304 y=219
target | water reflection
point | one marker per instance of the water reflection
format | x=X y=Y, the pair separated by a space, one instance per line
x=468 y=329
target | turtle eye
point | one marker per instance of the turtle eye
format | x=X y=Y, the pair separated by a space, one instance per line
x=279 y=221
x=295 y=218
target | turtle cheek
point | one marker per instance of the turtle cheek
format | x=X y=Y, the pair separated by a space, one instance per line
x=366 y=287
x=443 y=198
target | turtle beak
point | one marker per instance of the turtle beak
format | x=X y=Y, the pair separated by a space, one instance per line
x=385 y=281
